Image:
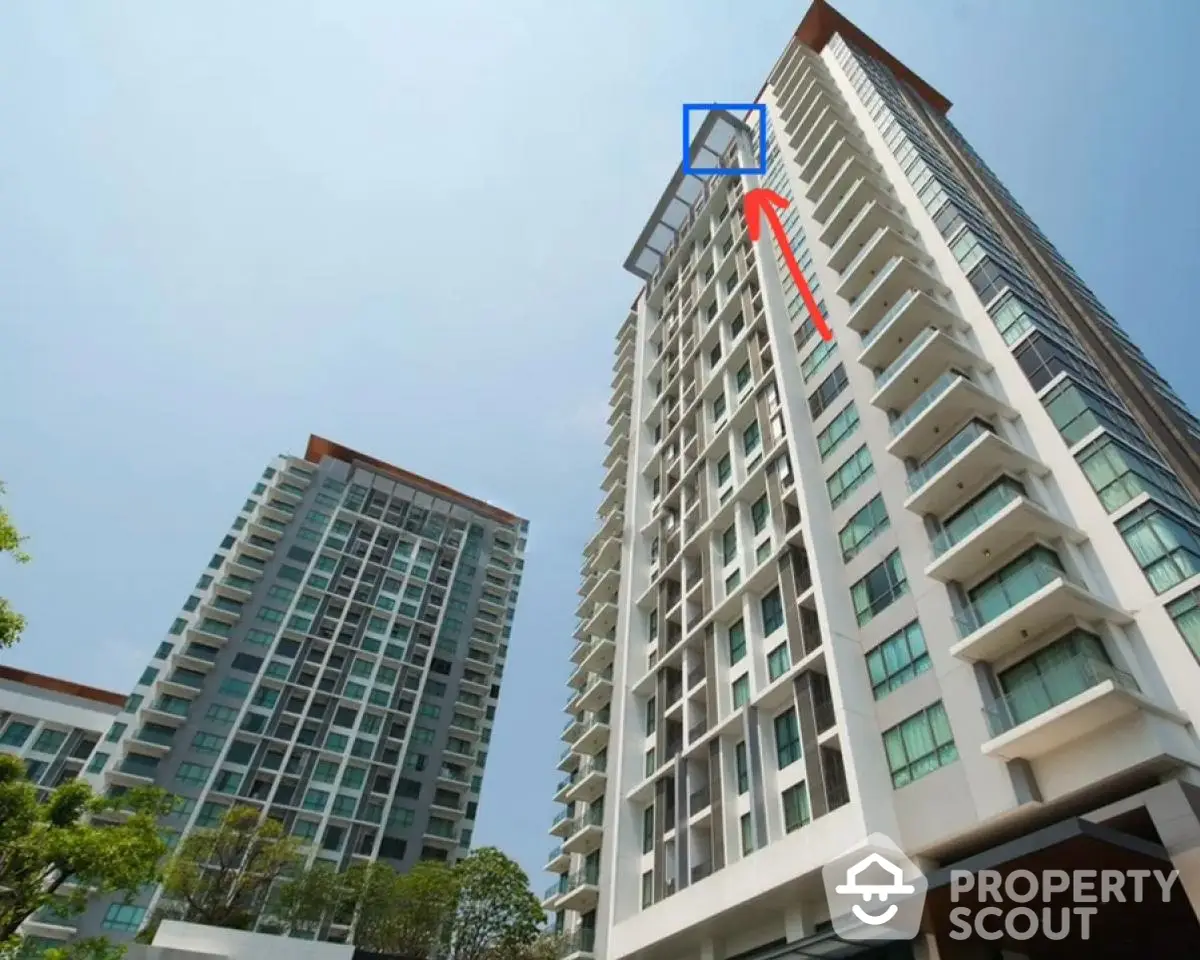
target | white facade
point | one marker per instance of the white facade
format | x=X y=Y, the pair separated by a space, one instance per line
x=858 y=587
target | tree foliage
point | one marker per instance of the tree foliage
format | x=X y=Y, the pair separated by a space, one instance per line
x=497 y=916
x=411 y=913
x=55 y=854
x=11 y=622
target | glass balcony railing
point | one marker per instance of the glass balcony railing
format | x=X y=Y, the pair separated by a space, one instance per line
x=976 y=515
x=925 y=400
x=893 y=311
x=555 y=852
x=593 y=765
x=1054 y=685
x=582 y=940
x=557 y=889
x=887 y=375
x=1017 y=588
x=935 y=464
x=561 y=816
x=858 y=217
x=584 y=877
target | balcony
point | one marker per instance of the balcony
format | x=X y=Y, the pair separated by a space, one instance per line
x=974 y=456
x=595 y=734
x=892 y=282
x=608 y=555
x=580 y=943
x=870 y=219
x=1041 y=597
x=930 y=355
x=558 y=860
x=602 y=620
x=878 y=251
x=563 y=823
x=813 y=127
x=600 y=654
x=552 y=894
x=853 y=203
x=854 y=169
x=583 y=890
x=610 y=526
x=994 y=528
x=619 y=431
x=568 y=759
x=844 y=149
x=615 y=474
x=590 y=781
x=950 y=400
x=563 y=789
x=573 y=727
x=598 y=692
x=586 y=832
x=1068 y=701
x=906 y=319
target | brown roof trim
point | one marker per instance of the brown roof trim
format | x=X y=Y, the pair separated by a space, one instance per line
x=80 y=690
x=319 y=447
x=820 y=24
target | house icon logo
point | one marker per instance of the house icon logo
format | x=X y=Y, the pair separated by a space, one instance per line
x=875 y=892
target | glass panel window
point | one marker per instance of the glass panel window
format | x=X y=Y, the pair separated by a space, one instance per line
x=852 y=474
x=863 y=527
x=741 y=691
x=724 y=470
x=881 y=587
x=746 y=828
x=772 y=611
x=844 y=425
x=778 y=661
x=813 y=363
x=737 y=642
x=741 y=765
x=1119 y=473
x=751 y=437
x=787 y=738
x=1166 y=548
x=919 y=745
x=760 y=512
x=796 y=811
x=828 y=391
x=729 y=544
x=897 y=660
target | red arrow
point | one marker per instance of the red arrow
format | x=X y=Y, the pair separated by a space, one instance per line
x=764 y=202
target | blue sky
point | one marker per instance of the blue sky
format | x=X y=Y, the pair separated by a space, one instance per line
x=224 y=226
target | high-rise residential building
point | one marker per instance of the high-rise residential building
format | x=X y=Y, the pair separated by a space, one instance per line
x=936 y=578
x=337 y=665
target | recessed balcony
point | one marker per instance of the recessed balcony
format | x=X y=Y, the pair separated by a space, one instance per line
x=930 y=355
x=909 y=317
x=844 y=179
x=583 y=892
x=892 y=282
x=590 y=782
x=938 y=413
x=873 y=217
x=843 y=148
x=579 y=944
x=1064 y=703
x=994 y=528
x=1038 y=599
x=586 y=832
x=973 y=457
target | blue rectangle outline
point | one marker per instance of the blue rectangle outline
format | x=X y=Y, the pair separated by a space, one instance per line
x=760 y=170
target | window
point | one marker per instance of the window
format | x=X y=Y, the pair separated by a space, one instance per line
x=732 y=581
x=787 y=738
x=1167 y=550
x=746 y=826
x=207 y=742
x=647 y=888
x=919 y=745
x=193 y=773
x=16 y=733
x=772 y=611
x=741 y=765
x=751 y=438
x=49 y=741
x=900 y=658
x=741 y=691
x=115 y=732
x=778 y=661
x=97 y=762
x=760 y=513
x=744 y=376
x=815 y=361
x=737 y=642
x=718 y=408
x=882 y=586
x=852 y=474
x=1118 y=473
x=863 y=527
x=724 y=470
x=315 y=799
x=828 y=391
x=840 y=427
x=795 y=808
x=232 y=687
x=123 y=917
x=729 y=544
x=651 y=716
x=270 y=615
x=648 y=829
x=1185 y=611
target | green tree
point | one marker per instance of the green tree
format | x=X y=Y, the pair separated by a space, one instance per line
x=55 y=854
x=11 y=622
x=410 y=914
x=224 y=876
x=497 y=916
